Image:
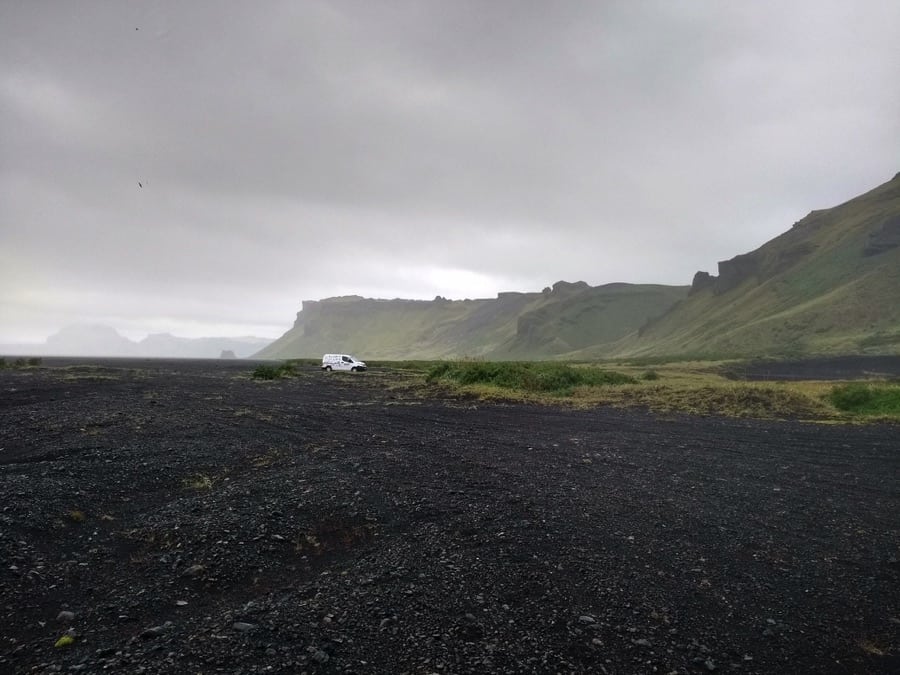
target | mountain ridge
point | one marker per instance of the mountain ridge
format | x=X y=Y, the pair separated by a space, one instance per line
x=515 y=324
x=828 y=285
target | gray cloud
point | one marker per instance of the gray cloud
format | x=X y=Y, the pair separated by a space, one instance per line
x=298 y=150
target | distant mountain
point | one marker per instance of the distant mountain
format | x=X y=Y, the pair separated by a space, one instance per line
x=99 y=340
x=164 y=344
x=557 y=320
x=89 y=340
x=829 y=285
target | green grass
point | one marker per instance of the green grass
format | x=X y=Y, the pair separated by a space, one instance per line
x=531 y=377
x=867 y=399
x=274 y=372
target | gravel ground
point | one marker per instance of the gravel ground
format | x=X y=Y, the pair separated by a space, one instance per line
x=180 y=517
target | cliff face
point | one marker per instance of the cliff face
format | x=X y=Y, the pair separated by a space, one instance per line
x=885 y=237
x=756 y=266
x=557 y=320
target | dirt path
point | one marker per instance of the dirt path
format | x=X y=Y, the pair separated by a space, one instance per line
x=194 y=520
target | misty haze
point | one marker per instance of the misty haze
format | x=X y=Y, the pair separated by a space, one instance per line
x=449 y=337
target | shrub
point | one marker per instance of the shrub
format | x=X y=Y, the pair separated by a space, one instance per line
x=650 y=375
x=543 y=377
x=270 y=372
x=265 y=372
x=867 y=399
x=287 y=369
x=35 y=361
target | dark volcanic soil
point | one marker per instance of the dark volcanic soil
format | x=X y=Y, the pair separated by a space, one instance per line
x=192 y=520
x=821 y=368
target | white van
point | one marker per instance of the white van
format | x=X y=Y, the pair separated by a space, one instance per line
x=342 y=362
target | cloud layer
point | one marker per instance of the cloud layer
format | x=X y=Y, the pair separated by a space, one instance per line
x=202 y=167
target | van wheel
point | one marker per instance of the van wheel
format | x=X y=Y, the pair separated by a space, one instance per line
x=327 y=369
x=353 y=369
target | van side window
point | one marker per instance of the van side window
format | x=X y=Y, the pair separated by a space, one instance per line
x=345 y=359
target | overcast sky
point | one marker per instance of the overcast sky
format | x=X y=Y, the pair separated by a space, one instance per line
x=299 y=150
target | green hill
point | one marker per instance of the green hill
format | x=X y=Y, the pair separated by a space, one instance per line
x=557 y=320
x=829 y=285
x=595 y=318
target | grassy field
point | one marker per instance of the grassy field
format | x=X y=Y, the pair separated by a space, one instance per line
x=686 y=387
x=555 y=379
x=692 y=387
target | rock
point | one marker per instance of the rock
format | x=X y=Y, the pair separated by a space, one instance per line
x=642 y=642
x=586 y=618
x=734 y=272
x=885 y=238
x=702 y=280
x=65 y=616
x=243 y=627
x=320 y=657
x=710 y=665
x=155 y=631
x=194 y=571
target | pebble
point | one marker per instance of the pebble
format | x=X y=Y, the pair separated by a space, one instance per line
x=242 y=626
x=587 y=619
x=194 y=571
x=156 y=631
x=65 y=616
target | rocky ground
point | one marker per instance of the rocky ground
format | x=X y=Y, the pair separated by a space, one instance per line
x=181 y=517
